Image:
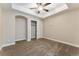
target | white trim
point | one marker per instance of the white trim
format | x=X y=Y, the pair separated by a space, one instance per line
x=29 y=40
x=20 y=39
x=63 y=42
x=7 y=45
x=0 y=48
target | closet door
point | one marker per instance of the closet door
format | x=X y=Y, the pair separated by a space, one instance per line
x=33 y=29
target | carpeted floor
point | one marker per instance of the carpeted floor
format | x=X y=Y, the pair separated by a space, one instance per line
x=41 y=47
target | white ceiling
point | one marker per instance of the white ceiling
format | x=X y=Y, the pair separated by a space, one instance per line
x=22 y=8
x=53 y=9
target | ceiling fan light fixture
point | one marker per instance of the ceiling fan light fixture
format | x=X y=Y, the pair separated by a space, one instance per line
x=40 y=8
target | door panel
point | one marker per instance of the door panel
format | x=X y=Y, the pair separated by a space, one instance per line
x=33 y=29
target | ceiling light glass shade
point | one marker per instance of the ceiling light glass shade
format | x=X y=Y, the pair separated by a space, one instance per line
x=40 y=8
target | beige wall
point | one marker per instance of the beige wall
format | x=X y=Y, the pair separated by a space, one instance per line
x=1 y=27
x=63 y=27
x=7 y=26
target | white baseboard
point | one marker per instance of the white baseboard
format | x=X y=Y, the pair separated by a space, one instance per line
x=7 y=45
x=28 y=40
x=62 y=42
x=20 y=39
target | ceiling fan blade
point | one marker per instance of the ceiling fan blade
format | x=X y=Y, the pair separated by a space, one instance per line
x=38 y=12
x=46 y=10
x=32 y=8
x=46 y=4
x=39 y=4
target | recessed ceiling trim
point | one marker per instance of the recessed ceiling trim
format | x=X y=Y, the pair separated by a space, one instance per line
x=52 y=10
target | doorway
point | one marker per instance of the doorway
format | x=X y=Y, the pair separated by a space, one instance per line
x=33 y=29
x=20 y=28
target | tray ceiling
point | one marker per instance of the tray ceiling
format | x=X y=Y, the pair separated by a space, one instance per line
x=53 y=9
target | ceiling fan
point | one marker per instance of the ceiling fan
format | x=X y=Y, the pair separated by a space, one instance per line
x=40 y=6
